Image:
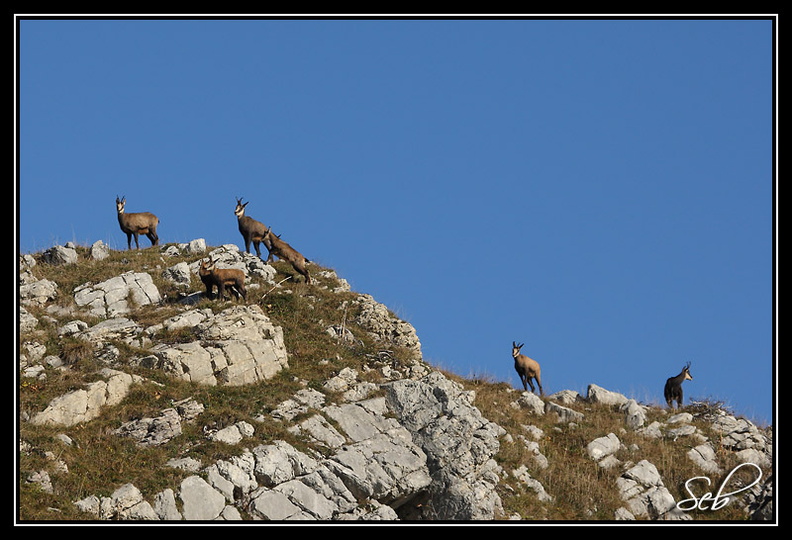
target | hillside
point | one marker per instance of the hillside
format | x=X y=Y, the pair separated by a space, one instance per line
x=140 y=398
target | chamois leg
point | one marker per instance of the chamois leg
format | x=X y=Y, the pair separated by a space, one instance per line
x=239 y=291
x=305 y=274
x=677 y=396
x=129 y=240
x=209 y=291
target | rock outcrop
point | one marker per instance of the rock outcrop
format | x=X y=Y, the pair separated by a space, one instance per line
x=238 y=346
x=376 y=451
x=407 y=443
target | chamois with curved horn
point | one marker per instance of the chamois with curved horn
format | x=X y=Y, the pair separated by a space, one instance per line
x=134 y=224
x=527 y=369
x=212 y=277
x=673 y=387
x=284 y=251
x=252 y=230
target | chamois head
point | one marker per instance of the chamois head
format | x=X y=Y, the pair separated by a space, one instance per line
x=516 y=348
x=239 y=211
x=206 y=266
x=686 y=372
x=120 y=204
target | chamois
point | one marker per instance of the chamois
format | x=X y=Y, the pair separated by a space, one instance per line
x=527 y=369
x=284 y=251
x=137 y=223
x=673 y=387
x=221 y=278
x=252 y=230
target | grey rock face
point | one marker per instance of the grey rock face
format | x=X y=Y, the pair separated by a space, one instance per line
x=642 y=488
x=118 y=295
x=85 y=404
x=238 y=346
x=38 y=292
x=377 y=319
x=459 y=444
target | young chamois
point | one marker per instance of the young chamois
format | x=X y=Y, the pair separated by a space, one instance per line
x=284 y=251
x=527 y=369
x=252 y=230
x=221 y=278
x=673 y=387
x=137 y=223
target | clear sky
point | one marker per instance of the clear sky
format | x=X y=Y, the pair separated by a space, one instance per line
x=602 y=190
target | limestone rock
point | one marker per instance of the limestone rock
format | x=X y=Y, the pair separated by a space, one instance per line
x=118 y=295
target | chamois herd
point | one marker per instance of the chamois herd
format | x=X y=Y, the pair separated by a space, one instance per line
x=256 y=233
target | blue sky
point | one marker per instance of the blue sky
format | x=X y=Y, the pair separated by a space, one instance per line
x=602 y=190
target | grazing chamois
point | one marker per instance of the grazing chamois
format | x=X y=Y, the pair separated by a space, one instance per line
x=137 y=223
x=527 y=369
x=673 y=387
x=252 y=230
x=284 y=251
x=221 y=278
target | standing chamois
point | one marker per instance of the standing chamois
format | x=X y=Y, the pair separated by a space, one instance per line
x=527 y=369
x=252 y=230
x=284 y=251
x=673 y=387
x=137 y=223
x=221 y=278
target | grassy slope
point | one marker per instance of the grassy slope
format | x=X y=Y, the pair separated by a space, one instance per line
x=99 y=462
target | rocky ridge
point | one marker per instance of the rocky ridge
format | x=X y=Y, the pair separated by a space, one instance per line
x=411 y=446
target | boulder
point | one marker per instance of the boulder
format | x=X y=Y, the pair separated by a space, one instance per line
x=603 y=446
x=641 y=487
x=531 y=402
x=60 y=255
x=634 y=414
x=86 y=403
x=117 y=296
x=200 y=501
x=99 y=251
x=597 y=394
x=563 y=414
